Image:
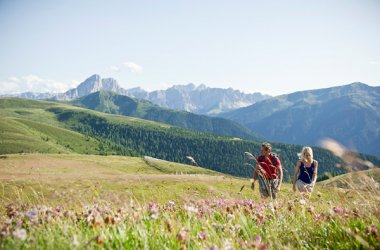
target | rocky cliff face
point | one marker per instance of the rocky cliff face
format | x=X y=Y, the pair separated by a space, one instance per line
x=91 y=85
x=201 y=99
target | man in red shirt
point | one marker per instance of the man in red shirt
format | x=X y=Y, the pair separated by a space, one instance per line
x=268 y=171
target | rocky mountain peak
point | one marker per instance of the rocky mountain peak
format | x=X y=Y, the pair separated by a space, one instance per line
x=91 y=85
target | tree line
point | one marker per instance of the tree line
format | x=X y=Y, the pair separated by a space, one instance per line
x=222 y=154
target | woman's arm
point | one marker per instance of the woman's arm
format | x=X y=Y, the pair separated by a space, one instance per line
x=314 y=180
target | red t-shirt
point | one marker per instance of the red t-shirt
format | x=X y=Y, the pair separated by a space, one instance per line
x=268 y=170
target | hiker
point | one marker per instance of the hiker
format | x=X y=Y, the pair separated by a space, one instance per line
x=268 y=171
x=307 y=168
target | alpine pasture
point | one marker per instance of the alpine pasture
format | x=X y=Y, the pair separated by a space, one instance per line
x=59 y=192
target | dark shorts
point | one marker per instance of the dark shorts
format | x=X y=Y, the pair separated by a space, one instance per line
x=267 y=187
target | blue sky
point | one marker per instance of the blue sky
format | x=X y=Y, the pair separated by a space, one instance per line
x=274 y=47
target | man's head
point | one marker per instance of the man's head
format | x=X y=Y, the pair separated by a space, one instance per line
x=266 y=149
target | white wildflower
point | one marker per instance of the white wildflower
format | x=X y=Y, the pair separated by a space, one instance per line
x=20 y=234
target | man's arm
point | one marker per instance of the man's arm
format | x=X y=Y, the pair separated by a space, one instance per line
x=254 y=178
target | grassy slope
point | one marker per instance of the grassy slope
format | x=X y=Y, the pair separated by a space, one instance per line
x=27 y=126
x=122 y=188
x=361 y=180
x=75 y=179
x=19 y=135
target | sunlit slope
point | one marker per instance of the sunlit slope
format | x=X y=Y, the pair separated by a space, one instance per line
x=20 y=135
x=27 y=126
x=43 y=112
x=76 y=179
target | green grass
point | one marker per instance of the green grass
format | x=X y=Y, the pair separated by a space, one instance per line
x=19 y=135
x=122 y=177
x=359 y=179
x=37 y=110
x=176 y=168
x=64 y=201
x=30 y=126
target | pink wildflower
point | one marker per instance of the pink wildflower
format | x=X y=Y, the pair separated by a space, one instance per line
x=258 y=239
x=153 y=210
x=202 y=235
x=338 y=210
x=231 y=216
x=372 y=230
x=183 y=234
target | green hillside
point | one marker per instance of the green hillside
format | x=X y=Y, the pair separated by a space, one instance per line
x=113 y=103
x=54 y=128
x=26 y=126
x=19 y=136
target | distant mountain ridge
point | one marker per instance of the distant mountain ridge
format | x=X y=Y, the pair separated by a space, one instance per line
x=197 y=99
x=110 y=102
x=349 y=114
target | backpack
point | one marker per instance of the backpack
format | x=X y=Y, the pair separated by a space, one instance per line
x=274 y=160
x=272 y=171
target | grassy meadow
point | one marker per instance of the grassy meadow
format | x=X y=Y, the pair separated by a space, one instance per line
x=74 y=201
x=58 y=192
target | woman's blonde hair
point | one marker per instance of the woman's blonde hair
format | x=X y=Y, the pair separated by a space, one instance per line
x=304 y=150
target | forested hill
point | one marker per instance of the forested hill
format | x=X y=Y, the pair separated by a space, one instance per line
x=110 y=102
x=135 y=137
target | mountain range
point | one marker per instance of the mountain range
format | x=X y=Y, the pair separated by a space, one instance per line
x=349 y=114
x=199 y=99
x=110 y=102
x=196 y=99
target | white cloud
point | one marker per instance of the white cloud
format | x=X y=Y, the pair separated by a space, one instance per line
x=33 y=83
x=13 y=79
x=114 y=68
x=133 y=67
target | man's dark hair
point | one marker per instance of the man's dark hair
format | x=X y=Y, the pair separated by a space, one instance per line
x=267 y=146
